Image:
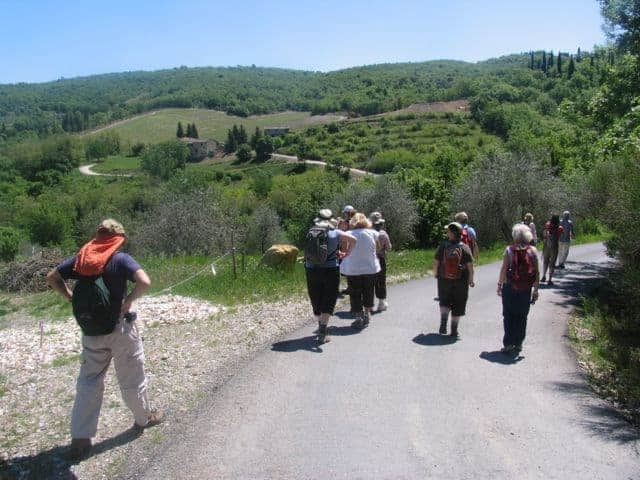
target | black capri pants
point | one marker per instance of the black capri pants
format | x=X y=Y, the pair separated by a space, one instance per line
x=322 y=285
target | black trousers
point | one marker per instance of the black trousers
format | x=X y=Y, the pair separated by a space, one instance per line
x=515 y=309
x=381 y=279
x=322 y=285
x=361 y=289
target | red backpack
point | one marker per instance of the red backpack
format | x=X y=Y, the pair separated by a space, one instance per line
x=522 y=270
x=451 y=262
x=467 y=239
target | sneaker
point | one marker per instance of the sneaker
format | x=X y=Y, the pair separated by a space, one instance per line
x=382 y=305
x=156 y=417
x=79 y=448
x=443 y=328
x=323 y=335
x=365 y=319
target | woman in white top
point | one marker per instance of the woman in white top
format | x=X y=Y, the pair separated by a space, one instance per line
x=360 y=267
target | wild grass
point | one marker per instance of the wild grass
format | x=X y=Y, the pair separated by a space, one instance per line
x=213 y=124
x=63 y=360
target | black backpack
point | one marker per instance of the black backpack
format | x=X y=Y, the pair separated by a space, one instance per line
x=316 y=250
x=91 y=303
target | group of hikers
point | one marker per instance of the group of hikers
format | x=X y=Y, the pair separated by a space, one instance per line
x=353 y=246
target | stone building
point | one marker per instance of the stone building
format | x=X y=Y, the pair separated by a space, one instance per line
x=200 y=148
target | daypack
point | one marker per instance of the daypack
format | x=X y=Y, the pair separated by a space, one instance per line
x=91 y=303
x=467 y=239
x=522 y=269
x=452 y=262
x=553 y=235
x=316 y=250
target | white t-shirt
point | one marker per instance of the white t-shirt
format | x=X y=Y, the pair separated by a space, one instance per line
x=362 y=260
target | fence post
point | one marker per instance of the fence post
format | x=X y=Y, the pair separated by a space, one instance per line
x=233 y=254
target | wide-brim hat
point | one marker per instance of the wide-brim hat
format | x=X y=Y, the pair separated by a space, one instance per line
x=455 y=227
x=376 y=218
x=110 y=226
x=348 y=209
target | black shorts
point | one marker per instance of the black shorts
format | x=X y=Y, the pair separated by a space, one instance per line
x=454 y=294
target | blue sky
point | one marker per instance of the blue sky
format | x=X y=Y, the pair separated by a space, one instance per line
x=48 y=39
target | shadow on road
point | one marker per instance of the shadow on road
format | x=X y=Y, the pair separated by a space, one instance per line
x=434 y=339
x=599 y=418
x=578 y=279
x=54 y=464
x=293 y=345
x=345 y=315
x=343 y=331
x=498 y=357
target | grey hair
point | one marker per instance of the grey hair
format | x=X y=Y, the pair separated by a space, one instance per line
x=521 y=234
x=566 y=213
x=461 y=217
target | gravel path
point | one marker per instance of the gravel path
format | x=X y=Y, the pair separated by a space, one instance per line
x=191 y=347
x=86 y=170
x=355 y=172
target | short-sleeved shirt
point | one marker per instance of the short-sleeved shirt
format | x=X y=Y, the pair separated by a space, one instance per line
x=385 y=243
x=120 y=269
x=567 y=225
x=362 y=260
x=471 y=231
x=333 y=245
x=467 y=257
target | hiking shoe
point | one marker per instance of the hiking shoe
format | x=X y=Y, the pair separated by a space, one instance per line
x=358 y=322
x=543 y=279
x=323 y=335
x=443 y=327
x=156 y=417
x=365 y=319
x=79 y=448
x=382 y=305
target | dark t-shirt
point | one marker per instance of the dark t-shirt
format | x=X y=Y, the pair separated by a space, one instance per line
x=118 y=270
x=467 y=257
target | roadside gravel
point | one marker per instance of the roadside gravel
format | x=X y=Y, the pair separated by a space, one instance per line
x=191 y=346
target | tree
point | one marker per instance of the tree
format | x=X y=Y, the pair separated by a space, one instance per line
x=194 y=131
x=230 y=145
x=264 y=149
x=180 y=131
x=189 y=131
x=165 y=159
x=242 y=135
x=579 y=55
x=550 y=62
x=571 y=68
x=544 y=61
x=244 y=153
x=622 y=23
x=559 y=63
x=257 y=135
x=531 y=64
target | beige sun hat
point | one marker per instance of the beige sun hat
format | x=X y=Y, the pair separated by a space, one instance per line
x=111 y=226
x=376 y=218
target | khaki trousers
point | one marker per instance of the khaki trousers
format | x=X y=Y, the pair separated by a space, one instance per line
x=124 y=345
x=563 y=252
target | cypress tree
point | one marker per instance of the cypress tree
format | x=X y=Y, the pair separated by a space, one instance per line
x=544 y=61
x=531 y=64
x=559 y=63
x=550 y=62
x=230 y=145
x=579 y=55
x=194 y=131
x=591 y=60
x=180 y=131
x=242 y=135
x=571 y=68
x=255 y=138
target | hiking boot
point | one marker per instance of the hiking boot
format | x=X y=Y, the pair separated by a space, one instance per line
x=382 y=305
x=79 y=448
x=358 y=322
x=323 y=334
x=156 y=417
x=443 y=327
x=365 y=319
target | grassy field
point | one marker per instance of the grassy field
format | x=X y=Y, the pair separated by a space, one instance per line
x=162 y=124
x=117 y=164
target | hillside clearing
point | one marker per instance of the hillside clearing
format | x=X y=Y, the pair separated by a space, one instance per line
x=161 y=125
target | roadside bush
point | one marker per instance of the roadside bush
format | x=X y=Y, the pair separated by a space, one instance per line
x=138 y=149
x=166 y=158
x=387 y=196
x=263 y=230
x=243 y=154
x=49 y=224
x=103 y=145
x=10 y=239
x=501 y=187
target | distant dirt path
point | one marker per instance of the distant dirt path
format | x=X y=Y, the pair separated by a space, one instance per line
x=356 y=172
x=86 y=170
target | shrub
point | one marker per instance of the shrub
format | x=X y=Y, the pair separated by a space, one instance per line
x=243 y=154
x=164 y=159
x=10 y=239
x=103 y=145
x=138 y=149
x=500 y=188
x=49 y=224
x=263 y=230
